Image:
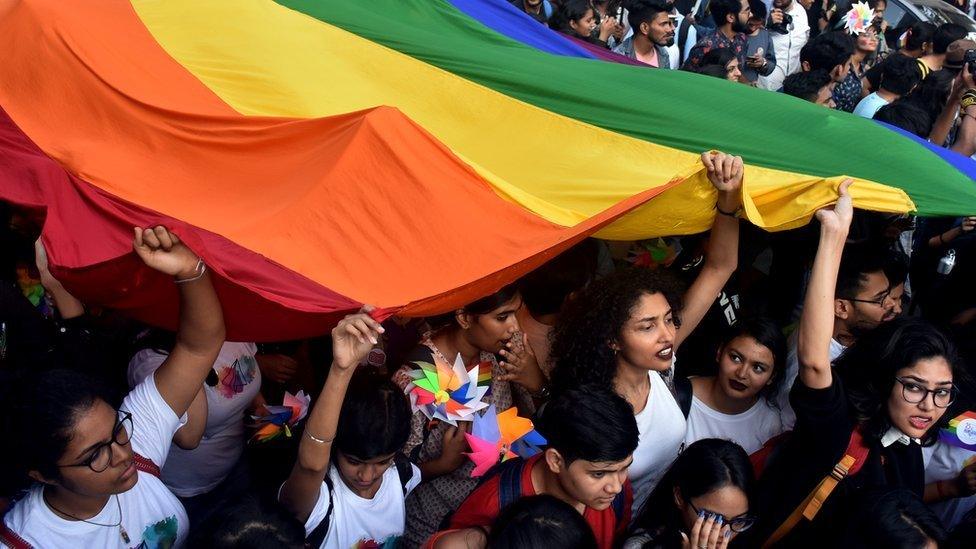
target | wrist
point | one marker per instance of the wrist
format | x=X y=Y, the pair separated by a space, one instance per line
x=729 y=200
x=190 y=271
x=341 y=369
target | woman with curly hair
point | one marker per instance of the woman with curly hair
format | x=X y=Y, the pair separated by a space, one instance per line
x=621 y=332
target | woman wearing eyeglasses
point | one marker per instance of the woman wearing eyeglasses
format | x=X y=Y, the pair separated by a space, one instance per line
x=92 y=469
x=701 y=503
x=885 y=397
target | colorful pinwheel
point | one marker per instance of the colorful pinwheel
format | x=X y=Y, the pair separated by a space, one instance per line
x=500 y=437
x=859 y=18
x=448 y=394
x=281 y=419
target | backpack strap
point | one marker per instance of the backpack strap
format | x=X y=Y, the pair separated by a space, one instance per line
x=10 y=538
x=510 y=483
x=317 y=537
x=404 y=470
x=854 y=458
x=146 y=465
x=683 y=393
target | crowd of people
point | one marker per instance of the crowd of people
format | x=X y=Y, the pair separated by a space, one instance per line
x=736 y=388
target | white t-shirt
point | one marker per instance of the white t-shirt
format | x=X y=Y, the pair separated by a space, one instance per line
x=943 y=462
x=190 y=473
x=356 y=521
x=792 y=370
x=662 y=429
x=750 y=429
x=869 y=105
x=151 y=514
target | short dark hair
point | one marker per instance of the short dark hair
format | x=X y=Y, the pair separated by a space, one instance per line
x=590 y=423
x=718 y=56
x=858 y=261
x=907 y=116
x=375 y=417
x=900 y=74
x=946 y=34
x=249 y=523
x=758 y=8
x=545 y=289
x=52 y=399
x=918 y=34
x=540 y=521
x=639 y=11
x=827 y=50
x=868 y=369
x=894 y=518
x=806 y=85
x=718 y=71
x=704 y=466
x=896 y=268
x=721 y=8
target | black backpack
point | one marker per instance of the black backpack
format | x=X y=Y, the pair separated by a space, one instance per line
x=404 y=470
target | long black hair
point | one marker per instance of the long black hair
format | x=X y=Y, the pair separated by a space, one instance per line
x=566 y=11
x=705 y=466
x=868 y=369
x=581 y=340
x=895 y=519
x=768 y=334
x=38 y=411
x=480 y=306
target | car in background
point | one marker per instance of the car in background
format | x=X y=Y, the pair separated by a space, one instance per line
x=902 y=14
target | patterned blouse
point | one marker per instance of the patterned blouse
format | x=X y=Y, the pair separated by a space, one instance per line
x=848 y=93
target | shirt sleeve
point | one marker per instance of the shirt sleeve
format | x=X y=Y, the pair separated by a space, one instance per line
x=415 y=479
x=319 y=510
x=770 y=54
x=153 y=422
x=142 y=364
x=479 y=509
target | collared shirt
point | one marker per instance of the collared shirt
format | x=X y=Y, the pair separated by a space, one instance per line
x=626 y=48
x=894 y=435
x=787 y=47
x=739 y=44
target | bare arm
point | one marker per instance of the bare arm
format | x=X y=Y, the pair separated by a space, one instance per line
x=817 y=322
x=68 y=305
x=189 y=436
x=965 y=143
x=722 y=256
x=351 y=341
x=201 y=330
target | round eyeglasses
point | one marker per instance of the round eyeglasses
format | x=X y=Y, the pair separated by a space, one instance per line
x=915 y=393
x=100 y=457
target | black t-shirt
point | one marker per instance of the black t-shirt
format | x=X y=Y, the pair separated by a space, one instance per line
x=820 y=437
x=540 y=17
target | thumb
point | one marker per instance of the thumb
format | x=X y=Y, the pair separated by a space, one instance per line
x=685 y=542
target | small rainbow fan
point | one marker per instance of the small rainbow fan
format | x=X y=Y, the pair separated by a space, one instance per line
x=500 y=437
x=448 y=394
x=281 y=419
x=961 y=431
x=859 y=18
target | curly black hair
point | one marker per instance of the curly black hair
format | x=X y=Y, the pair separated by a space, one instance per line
x=581 y=339
x=868 y=370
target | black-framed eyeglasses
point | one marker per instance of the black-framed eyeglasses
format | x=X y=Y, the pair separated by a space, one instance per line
x=879 y=301
x=101 y=456
x=738 y=524
x=914 y=393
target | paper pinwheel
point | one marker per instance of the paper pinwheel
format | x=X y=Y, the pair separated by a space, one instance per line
x=280 y=419
x=500 y=437
x=448 y=394
x=859 y=18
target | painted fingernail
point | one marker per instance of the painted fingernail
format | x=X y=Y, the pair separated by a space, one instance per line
x=728 y=533
x=701 y=514
x=719 y=519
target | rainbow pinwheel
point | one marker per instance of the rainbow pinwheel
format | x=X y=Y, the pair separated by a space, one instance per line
x=448 y=394
x=280 y=419
x=859 y=18
x=500 y=437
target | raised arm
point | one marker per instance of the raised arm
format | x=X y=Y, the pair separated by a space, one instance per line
x=722 y=256
x=201 y=330
x=817 y=321
x=352 y=340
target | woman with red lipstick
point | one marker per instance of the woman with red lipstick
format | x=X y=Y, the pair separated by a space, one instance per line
x=891 y=389
x=90 y=462
x=622 y=332
x=480 y=332
x=739 y=404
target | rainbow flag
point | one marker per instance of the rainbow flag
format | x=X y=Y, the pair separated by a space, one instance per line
x=961 y=431
x=412 y=154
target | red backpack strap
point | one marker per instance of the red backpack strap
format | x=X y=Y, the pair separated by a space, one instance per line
x=854 y=458
x=10 y=538
x=146 y=465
